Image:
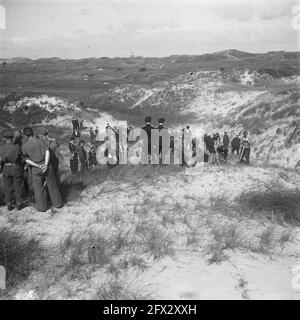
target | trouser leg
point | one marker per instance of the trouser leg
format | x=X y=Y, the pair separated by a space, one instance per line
x=74 y=166
x=8 y=186
x=17 y=183
x=247 y=154
x=55 y=165
x=225 y=154
x=40 y=193
x=53 y=188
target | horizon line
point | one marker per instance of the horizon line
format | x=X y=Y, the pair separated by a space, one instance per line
x=145 y=57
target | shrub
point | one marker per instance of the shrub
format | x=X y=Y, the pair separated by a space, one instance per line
x=282 y=203
x=19 y=254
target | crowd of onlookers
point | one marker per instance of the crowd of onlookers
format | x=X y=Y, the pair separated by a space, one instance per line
x=216 y=149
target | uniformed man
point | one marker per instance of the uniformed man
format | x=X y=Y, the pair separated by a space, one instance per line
x=11 y=163
x=37 y=155
x=53 y=145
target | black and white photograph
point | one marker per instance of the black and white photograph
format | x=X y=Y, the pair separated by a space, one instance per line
x=149 y=151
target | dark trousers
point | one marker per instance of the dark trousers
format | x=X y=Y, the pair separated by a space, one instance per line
x=12 y=178
x=27 y=183
x=74 y=165
x=43 y=182
x=235 y=148
x=246 y=154
x=225 y=150
x=55 y=166
x=83 y=165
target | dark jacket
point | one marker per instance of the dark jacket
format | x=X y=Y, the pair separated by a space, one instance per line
x=210 y=145
x=226 y=141
x=236 y=142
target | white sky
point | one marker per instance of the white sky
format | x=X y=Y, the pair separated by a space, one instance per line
x=85 y=28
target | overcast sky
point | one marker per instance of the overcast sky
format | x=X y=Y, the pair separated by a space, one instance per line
x=85 y=28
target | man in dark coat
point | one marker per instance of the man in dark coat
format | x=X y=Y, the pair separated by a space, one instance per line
x=225 y=145
x=235 y=144
x=146 y=135
x=210 y=147
x=11 y=162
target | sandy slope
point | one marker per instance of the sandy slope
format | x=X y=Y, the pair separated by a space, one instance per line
x=184 y=275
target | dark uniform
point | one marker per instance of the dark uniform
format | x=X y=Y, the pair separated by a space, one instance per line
x=11 y=162
x=35 y=150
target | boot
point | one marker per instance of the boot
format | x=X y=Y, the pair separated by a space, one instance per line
x=10 y=207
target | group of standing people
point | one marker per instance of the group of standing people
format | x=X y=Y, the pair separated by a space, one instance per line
x=30 y=166
x=215 y=147
x=80 y=159
x=77 y=124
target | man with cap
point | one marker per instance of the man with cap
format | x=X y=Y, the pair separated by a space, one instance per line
x=146 y=134
x=37 y=155
x=11 y=162
x=53 y=148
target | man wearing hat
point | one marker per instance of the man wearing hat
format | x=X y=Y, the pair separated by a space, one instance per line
x=11 y=161
x=160 y=127
x=37 y=155
x=53 y=148
x=146 y=135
